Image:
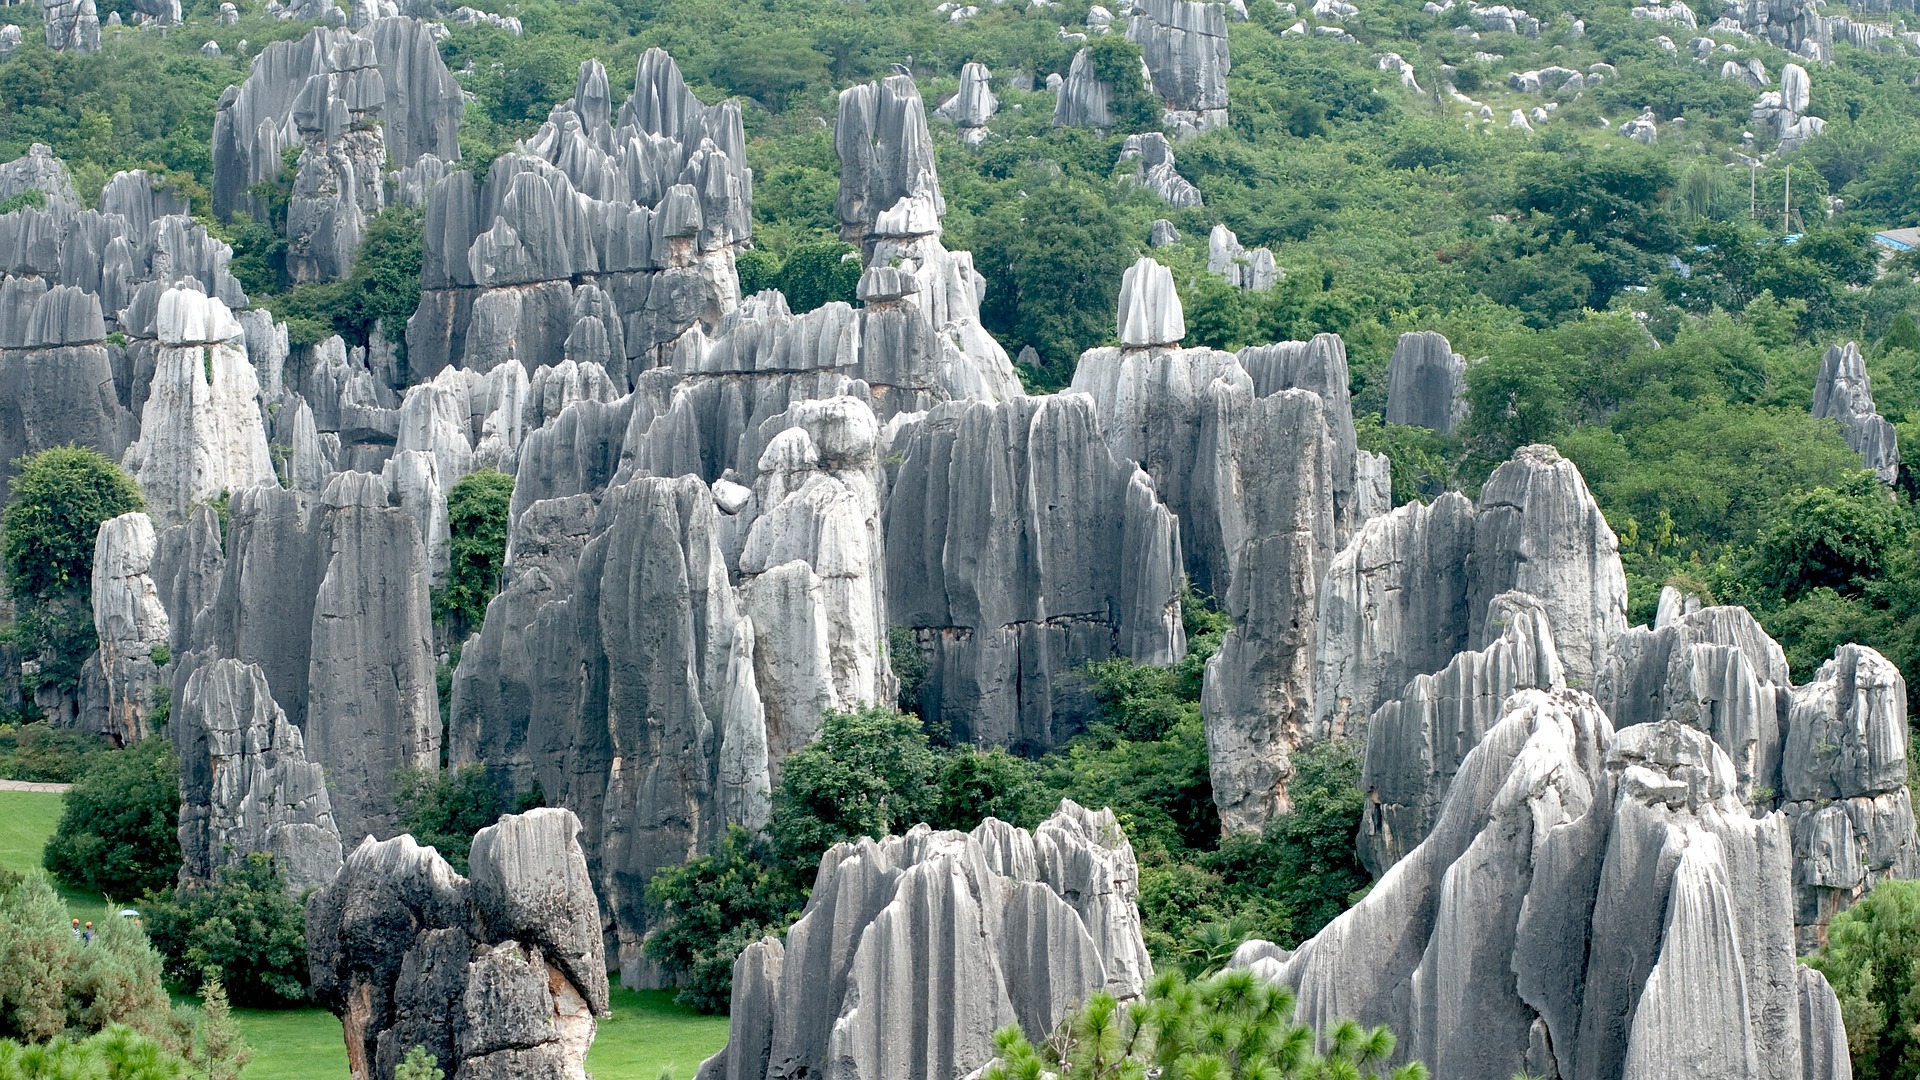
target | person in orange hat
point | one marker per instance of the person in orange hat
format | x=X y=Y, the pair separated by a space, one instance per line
x=86 y=936
x=76 y=929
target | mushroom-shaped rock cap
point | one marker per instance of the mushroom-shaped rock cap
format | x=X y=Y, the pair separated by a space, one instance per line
x=530 y=882
x=192 y=318
x=1149 y=308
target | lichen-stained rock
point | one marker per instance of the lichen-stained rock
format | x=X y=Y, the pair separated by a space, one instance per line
x=1843 y=392
x=188 y=563
x=1019 y=548
x=1184 y=46
x=1426 y=383
x=1629 y=853
x=371 y=703
x=413 y=479
x=498 y=977
x=200 y=430
x=863 y=985
x=131 y=626
x=971 y=109
x=886 y=154
x=513 y=695
x=1243 y=269
x=1413 y=587
x=1278 y=531
x=1150 y=312
x=263 y=611
x=1415 y=743
x=55 y=364
x=246 y=783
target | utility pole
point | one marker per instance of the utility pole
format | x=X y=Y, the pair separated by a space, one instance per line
x=1786 y=204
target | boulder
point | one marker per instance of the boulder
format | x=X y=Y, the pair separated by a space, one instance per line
x=1154 y=170
x=501 y=976
x=971 y=109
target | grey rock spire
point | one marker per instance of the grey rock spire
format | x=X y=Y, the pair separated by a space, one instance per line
x=1426 y=383
x=1844 y=393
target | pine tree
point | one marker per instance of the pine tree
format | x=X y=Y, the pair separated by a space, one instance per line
x=223 y=1053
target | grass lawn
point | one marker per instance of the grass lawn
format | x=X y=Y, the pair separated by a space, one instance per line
x=646 y=1034
x=27 y=820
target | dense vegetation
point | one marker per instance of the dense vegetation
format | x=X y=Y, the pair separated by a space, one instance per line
x=477 y=508
x=242 y=930
x=53 y=514
x=1872 y=958
x=119 y=836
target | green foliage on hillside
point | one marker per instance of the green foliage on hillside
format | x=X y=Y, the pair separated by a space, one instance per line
x=119 y=834
x=443 y=808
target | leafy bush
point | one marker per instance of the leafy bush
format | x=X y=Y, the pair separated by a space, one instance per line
x=53 y=516
x=477 y=520
x=53 y=984
x=240 y=931
x=1872 y=958
x=866 y=774
x=119 y=833
x=1232 y=1026
x=443 y=809
x=42 y=753
x=707 y=910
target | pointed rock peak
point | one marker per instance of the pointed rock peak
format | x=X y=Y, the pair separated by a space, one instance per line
x=1150 y=312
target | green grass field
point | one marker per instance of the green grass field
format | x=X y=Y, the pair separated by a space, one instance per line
x=646 y=1034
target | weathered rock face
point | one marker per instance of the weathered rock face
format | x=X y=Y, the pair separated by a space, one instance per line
x=200 y=429
x=616 y=671
x=1150 y=312
x=1413 y=587
x=1083 y=100
x=38 y=170
x=71 y=25
x=1027 y=923
x=813 y=572
x=1208 y=427
x=54 y=360
x=246 y=783
x=649 y=212
x=371 y=702
x=890 y=205
x=1426 y=383
x=498 y=976
x=1019 y=547
x=971 y=109
x=1250 y=270
x=1844 y=785
x=1784 y=110
x=355 y=103
x=1844 y=393
x=1589 y=904
x=131 y=625
x=1184 y=45
x=1155 y=169
x=1417 y=742
x=1794 y=25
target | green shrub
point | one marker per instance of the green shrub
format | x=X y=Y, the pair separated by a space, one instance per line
x=117 y=1053
x=867 y=773
x=1233 y=1026
x=477 y=513
x=119 y=833
x=708 y=909
x=418 y=1065
x=53 y=516
x=1872 y=958
x=53 y=984
x=241 y=931
x=443 y=809
x=41 y=753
